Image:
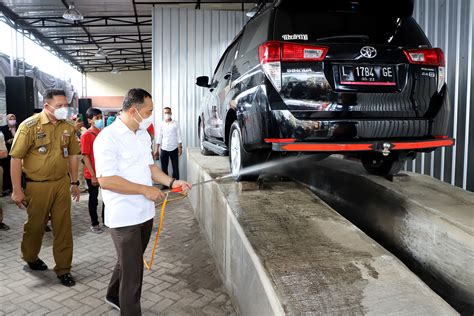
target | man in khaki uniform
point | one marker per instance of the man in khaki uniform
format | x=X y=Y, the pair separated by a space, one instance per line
x=45 y=148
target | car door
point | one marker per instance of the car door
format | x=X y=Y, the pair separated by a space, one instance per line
x=220 y=91
x=212 y=119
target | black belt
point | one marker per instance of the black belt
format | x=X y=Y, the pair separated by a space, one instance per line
x=31 y=180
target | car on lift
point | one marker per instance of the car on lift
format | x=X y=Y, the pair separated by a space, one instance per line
x=356 y=78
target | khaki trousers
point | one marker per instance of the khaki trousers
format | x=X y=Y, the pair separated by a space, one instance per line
x=45 y=199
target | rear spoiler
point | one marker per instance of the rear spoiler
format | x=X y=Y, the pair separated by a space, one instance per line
x=398 y=8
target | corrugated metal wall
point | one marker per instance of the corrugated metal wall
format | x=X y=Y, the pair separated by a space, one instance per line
x=449 y=25
x=187 y=43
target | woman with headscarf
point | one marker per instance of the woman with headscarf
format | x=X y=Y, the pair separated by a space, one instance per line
x=9 y=132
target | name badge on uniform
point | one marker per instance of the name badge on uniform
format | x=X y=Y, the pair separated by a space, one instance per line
x=40 y=135
x=64 y=143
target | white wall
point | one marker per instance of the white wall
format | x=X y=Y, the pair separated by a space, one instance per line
x=107 y=84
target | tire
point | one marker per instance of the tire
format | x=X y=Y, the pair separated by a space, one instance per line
x=378 y=164
x=238 y=157
x=202 y=138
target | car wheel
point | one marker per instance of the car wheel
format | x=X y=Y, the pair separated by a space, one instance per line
x=239 y=158
x=378 y=164
x=202 y=139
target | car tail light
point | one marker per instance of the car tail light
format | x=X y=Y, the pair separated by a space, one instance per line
x=429 y=57
x=272 y=53
x=298 y=52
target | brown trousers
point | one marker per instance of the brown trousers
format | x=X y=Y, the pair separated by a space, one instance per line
x=45 y=198
x=126 y=282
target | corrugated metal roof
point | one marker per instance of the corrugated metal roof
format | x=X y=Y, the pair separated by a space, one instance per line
x=122 y=28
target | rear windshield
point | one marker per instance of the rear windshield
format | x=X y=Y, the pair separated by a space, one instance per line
x=348 y=27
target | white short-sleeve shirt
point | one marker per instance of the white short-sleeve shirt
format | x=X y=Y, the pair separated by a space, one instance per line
x=169 y=135
x=118 y=151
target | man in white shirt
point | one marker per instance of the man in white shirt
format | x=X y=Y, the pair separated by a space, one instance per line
x=125 y=170
x=169 y=143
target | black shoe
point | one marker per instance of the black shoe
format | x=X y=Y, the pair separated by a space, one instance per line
x=112 y=301
x=38 y=265
x=47 y=229
x=67 y=279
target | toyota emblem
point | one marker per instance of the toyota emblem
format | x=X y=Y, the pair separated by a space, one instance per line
x=368 y=52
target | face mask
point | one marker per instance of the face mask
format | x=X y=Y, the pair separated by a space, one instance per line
x=145 y=123
x=99 y=124
x=167 y=116
x=61 y=113
x=11 y=122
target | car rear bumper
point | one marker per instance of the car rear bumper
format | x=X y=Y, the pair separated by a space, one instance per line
x=379 y=145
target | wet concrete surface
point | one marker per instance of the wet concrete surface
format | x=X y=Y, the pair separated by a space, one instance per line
x=283 y=250
x=426 y=223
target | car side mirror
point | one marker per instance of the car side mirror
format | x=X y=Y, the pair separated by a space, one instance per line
x=203 y=81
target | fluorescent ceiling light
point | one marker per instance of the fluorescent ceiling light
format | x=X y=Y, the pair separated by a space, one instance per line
x=115 y=71
x=100 y=53
x=72 y=13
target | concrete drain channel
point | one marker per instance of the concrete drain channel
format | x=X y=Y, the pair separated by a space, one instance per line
x=427 y=224
x=402 y=247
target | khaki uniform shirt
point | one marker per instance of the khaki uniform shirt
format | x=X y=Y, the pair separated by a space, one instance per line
x=42 y=146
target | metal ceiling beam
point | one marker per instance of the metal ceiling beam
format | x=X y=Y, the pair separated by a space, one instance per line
x=107 y=50
x=83 y=58
x=202 y=2
x=140 y=64
x=9 y=14
x=86 y=55
x=110 y=17
x=60 y=37
x=102 y=42
x=122 y=69
x=54 y=23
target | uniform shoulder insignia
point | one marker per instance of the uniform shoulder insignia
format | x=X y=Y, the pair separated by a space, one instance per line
x=29 y=122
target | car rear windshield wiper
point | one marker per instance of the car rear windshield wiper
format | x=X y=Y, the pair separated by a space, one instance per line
x=359 y=37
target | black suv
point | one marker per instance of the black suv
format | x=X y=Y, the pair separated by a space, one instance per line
x=325 y=77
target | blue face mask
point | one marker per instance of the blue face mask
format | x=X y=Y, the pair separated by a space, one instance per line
x=99 y=124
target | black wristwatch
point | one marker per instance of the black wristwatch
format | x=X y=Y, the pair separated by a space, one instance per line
x=172 y=182
x=75 y=183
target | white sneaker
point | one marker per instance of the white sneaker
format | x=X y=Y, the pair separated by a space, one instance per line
x=96 y=229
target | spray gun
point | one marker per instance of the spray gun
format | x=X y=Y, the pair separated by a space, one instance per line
x=178 y=190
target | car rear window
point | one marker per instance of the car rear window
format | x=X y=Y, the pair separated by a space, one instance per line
x=347 y=27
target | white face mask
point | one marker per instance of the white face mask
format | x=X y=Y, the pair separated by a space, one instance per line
x=167 y=116
x=61 y=113
x=11 y=122
x=145 y=123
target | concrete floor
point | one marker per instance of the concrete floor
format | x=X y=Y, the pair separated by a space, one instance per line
x=426 y=223
x=183 y=280
x=282 y=250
